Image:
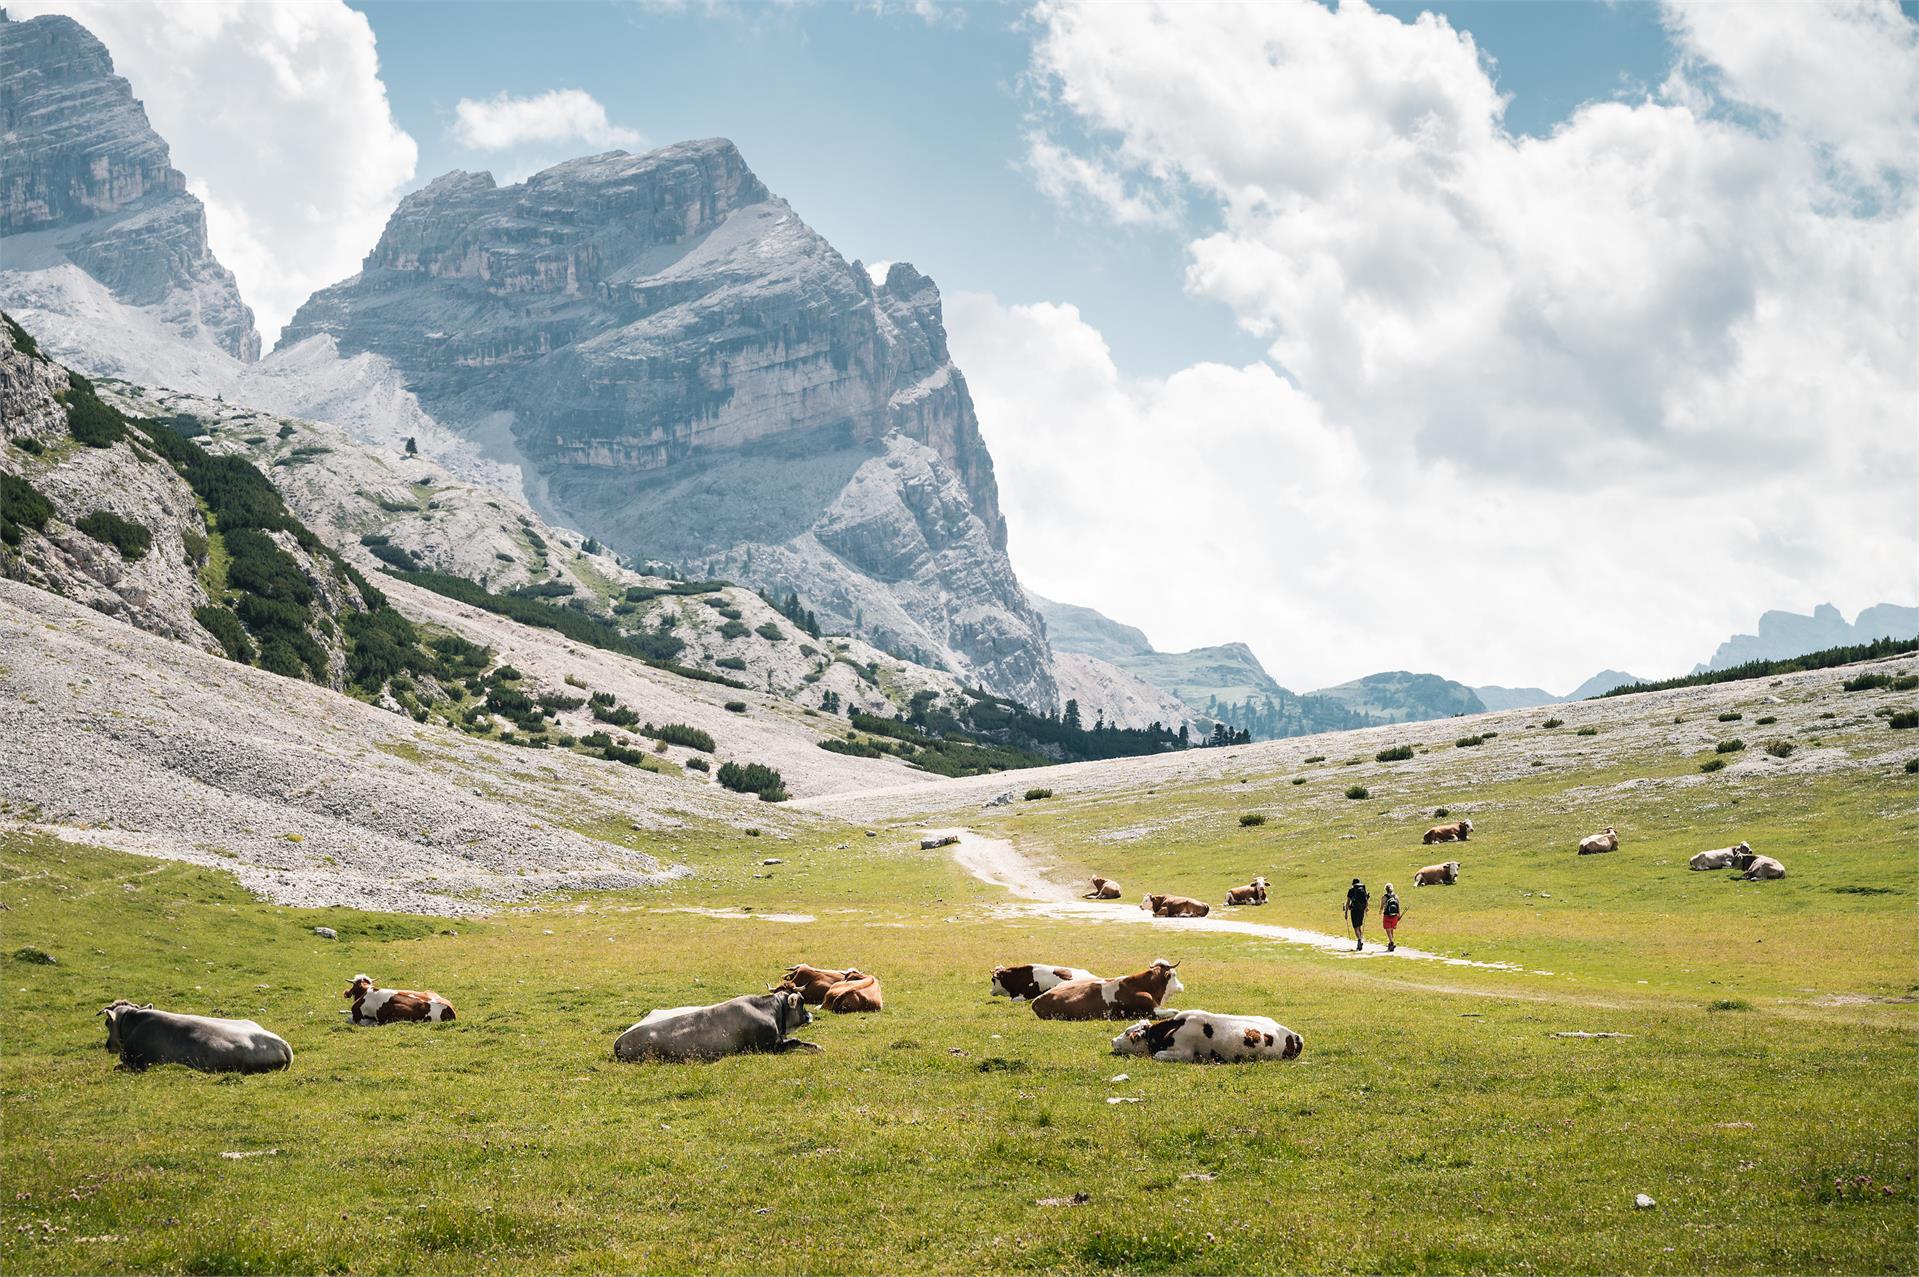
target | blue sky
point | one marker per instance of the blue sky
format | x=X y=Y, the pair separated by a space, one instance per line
x=901 y=139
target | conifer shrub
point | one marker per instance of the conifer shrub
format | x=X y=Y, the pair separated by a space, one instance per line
x=736 y=707
x=698 y=764
x=22 y=506
x=1712 y=764
x=1252 y=819
x=1731 y=716
x=1469 y=742
x=680 y=734
x=731 y=662
x=1394 y=754
x=131 y=539
x=754 y=778
x=1035 y=795
x=1554 y=722
x=1904 y=719
x=226 y=630
x=1779 y=748
x=771 y=632
x=1358 y=791
x=733 y=630
x=88 y=419
x=1587 y=731
x=1732 y=746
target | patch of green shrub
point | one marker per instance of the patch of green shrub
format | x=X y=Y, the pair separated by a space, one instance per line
x=771 y=632
x=1904 y=683
x=731 y=662
x=851 y=747
x=1779 y=748
x=1731 y=716
x=1358 y=791
x=1554 y=722
x=1712 y=764
x=29 y=445
x=1395 y=754
x=619 y=716
x=131 y=539
x=22 y=340
x=1468 y=742
x=753 y=778
x=89 y=419
x=1866 y=682
x=1903 y=719
x=680 y=734
x=1299 y=780
x=226 y=630
x=1034 y=795
x=1767 y=721
x=1316 y=758
x=1587 y=731
x=1729 y=1004
x=1912 y=766
x=698 y=764
x=733 y=630
x=736 y=707
x=22 y=506
x=1251 y=819
x=1732 y=746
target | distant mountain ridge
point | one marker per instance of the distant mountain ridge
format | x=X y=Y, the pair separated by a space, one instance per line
x=1787 y=634
x=1399 y=696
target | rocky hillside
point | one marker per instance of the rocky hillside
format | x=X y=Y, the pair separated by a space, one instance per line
x=134 y=520
x=685 y=370
x=93 y=212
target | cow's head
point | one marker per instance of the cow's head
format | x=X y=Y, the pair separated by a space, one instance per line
x=361 y=986
x=1133 y=1040
x=1294 y=1045
x=1151 y=903
x=1099 y=884
x=1466 y=825
x=113 y=1011
x=1162 y=969
x=1452 y=869
x=1743 y=849
x=789 y=1012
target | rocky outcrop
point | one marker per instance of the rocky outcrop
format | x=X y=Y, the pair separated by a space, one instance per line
x=684 y=370
x=86 y=184
x=1105 y=691
x=1783 y=635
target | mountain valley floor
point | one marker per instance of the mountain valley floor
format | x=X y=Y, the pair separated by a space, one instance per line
x=1436 y=1122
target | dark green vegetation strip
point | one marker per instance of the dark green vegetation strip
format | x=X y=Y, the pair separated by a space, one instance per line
x=22 y=506
x=1821 y=660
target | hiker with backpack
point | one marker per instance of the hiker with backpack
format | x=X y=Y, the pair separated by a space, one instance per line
x=1389 y=916
x=1356 y=902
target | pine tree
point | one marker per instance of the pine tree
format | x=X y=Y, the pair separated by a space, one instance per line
x=1072 y=722
x=412 y=446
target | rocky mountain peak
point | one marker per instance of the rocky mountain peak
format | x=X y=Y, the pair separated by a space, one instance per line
x=682 y=368
x=86 y=183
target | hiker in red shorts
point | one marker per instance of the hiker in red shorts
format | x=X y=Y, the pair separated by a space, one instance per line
x=1389 y=916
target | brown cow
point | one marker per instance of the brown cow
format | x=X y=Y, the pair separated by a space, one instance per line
x=1103 y=889
x=1030 y=979
x=858 y=992
x=1455 y=832
x=374 y=1005
x=1437 y=875
x=811 y=983
x=1253 y=893
x=1174 y=906
x=1132 y=995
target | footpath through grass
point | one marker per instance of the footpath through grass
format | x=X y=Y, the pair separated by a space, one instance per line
x=1433 y=1124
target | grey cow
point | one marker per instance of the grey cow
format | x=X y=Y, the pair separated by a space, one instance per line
x=143 y=1037
x=755 y=1022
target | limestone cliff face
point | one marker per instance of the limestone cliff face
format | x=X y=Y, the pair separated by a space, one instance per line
x=684 y=369
x=85 y=182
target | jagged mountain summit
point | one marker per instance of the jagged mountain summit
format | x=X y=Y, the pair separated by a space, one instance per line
x=1783 y=635
x=684 y=369
x=99 y=226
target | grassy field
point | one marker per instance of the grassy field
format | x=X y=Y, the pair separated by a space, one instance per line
x=1764 y=1096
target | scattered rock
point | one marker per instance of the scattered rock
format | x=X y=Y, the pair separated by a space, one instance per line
x=1581 y=1033
x=772 y=860
x=326 y=933
x=1643 y=1202
x=1123 y=1099
x=258 y=1152
x=1077 y=1199
x=1120 y=1077
x=1200 y=1177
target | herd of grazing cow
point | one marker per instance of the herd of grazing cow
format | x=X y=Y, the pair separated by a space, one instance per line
x=143 y=1037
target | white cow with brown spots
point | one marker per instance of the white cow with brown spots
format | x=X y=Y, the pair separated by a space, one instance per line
x=1203 y=1037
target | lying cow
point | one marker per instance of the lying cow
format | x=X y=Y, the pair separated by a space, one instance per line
x=143 y=1037
x=1138 y=994
x=374 y=1005
x=1597 y=844
x=1175 y=906
x=1720 y=858
x=811 y=983
x=1455 y=832
x=1201 y=1037
x=755 y=1022
x=1437 y=875
x=1253 y=893
x=1103 y=889
x=1029 y=980
x=1761 y=868
x=858 y=992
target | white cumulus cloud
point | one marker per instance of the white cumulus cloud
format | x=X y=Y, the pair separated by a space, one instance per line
x=1697 y=304
x=277 y=115
x=503 y=122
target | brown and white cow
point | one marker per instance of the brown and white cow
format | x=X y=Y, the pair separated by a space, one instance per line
x=1762 y=868
x=1103 y=889
x=1598 y=844
x=1137 y=994
x=1202 y=1037
x=1253 y=893
x=811 y=983
x=1455 y=832
x=1174 y=906
x=374 y=1005
x=1437 y=875
x=858 y=992
x=1031 y=979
